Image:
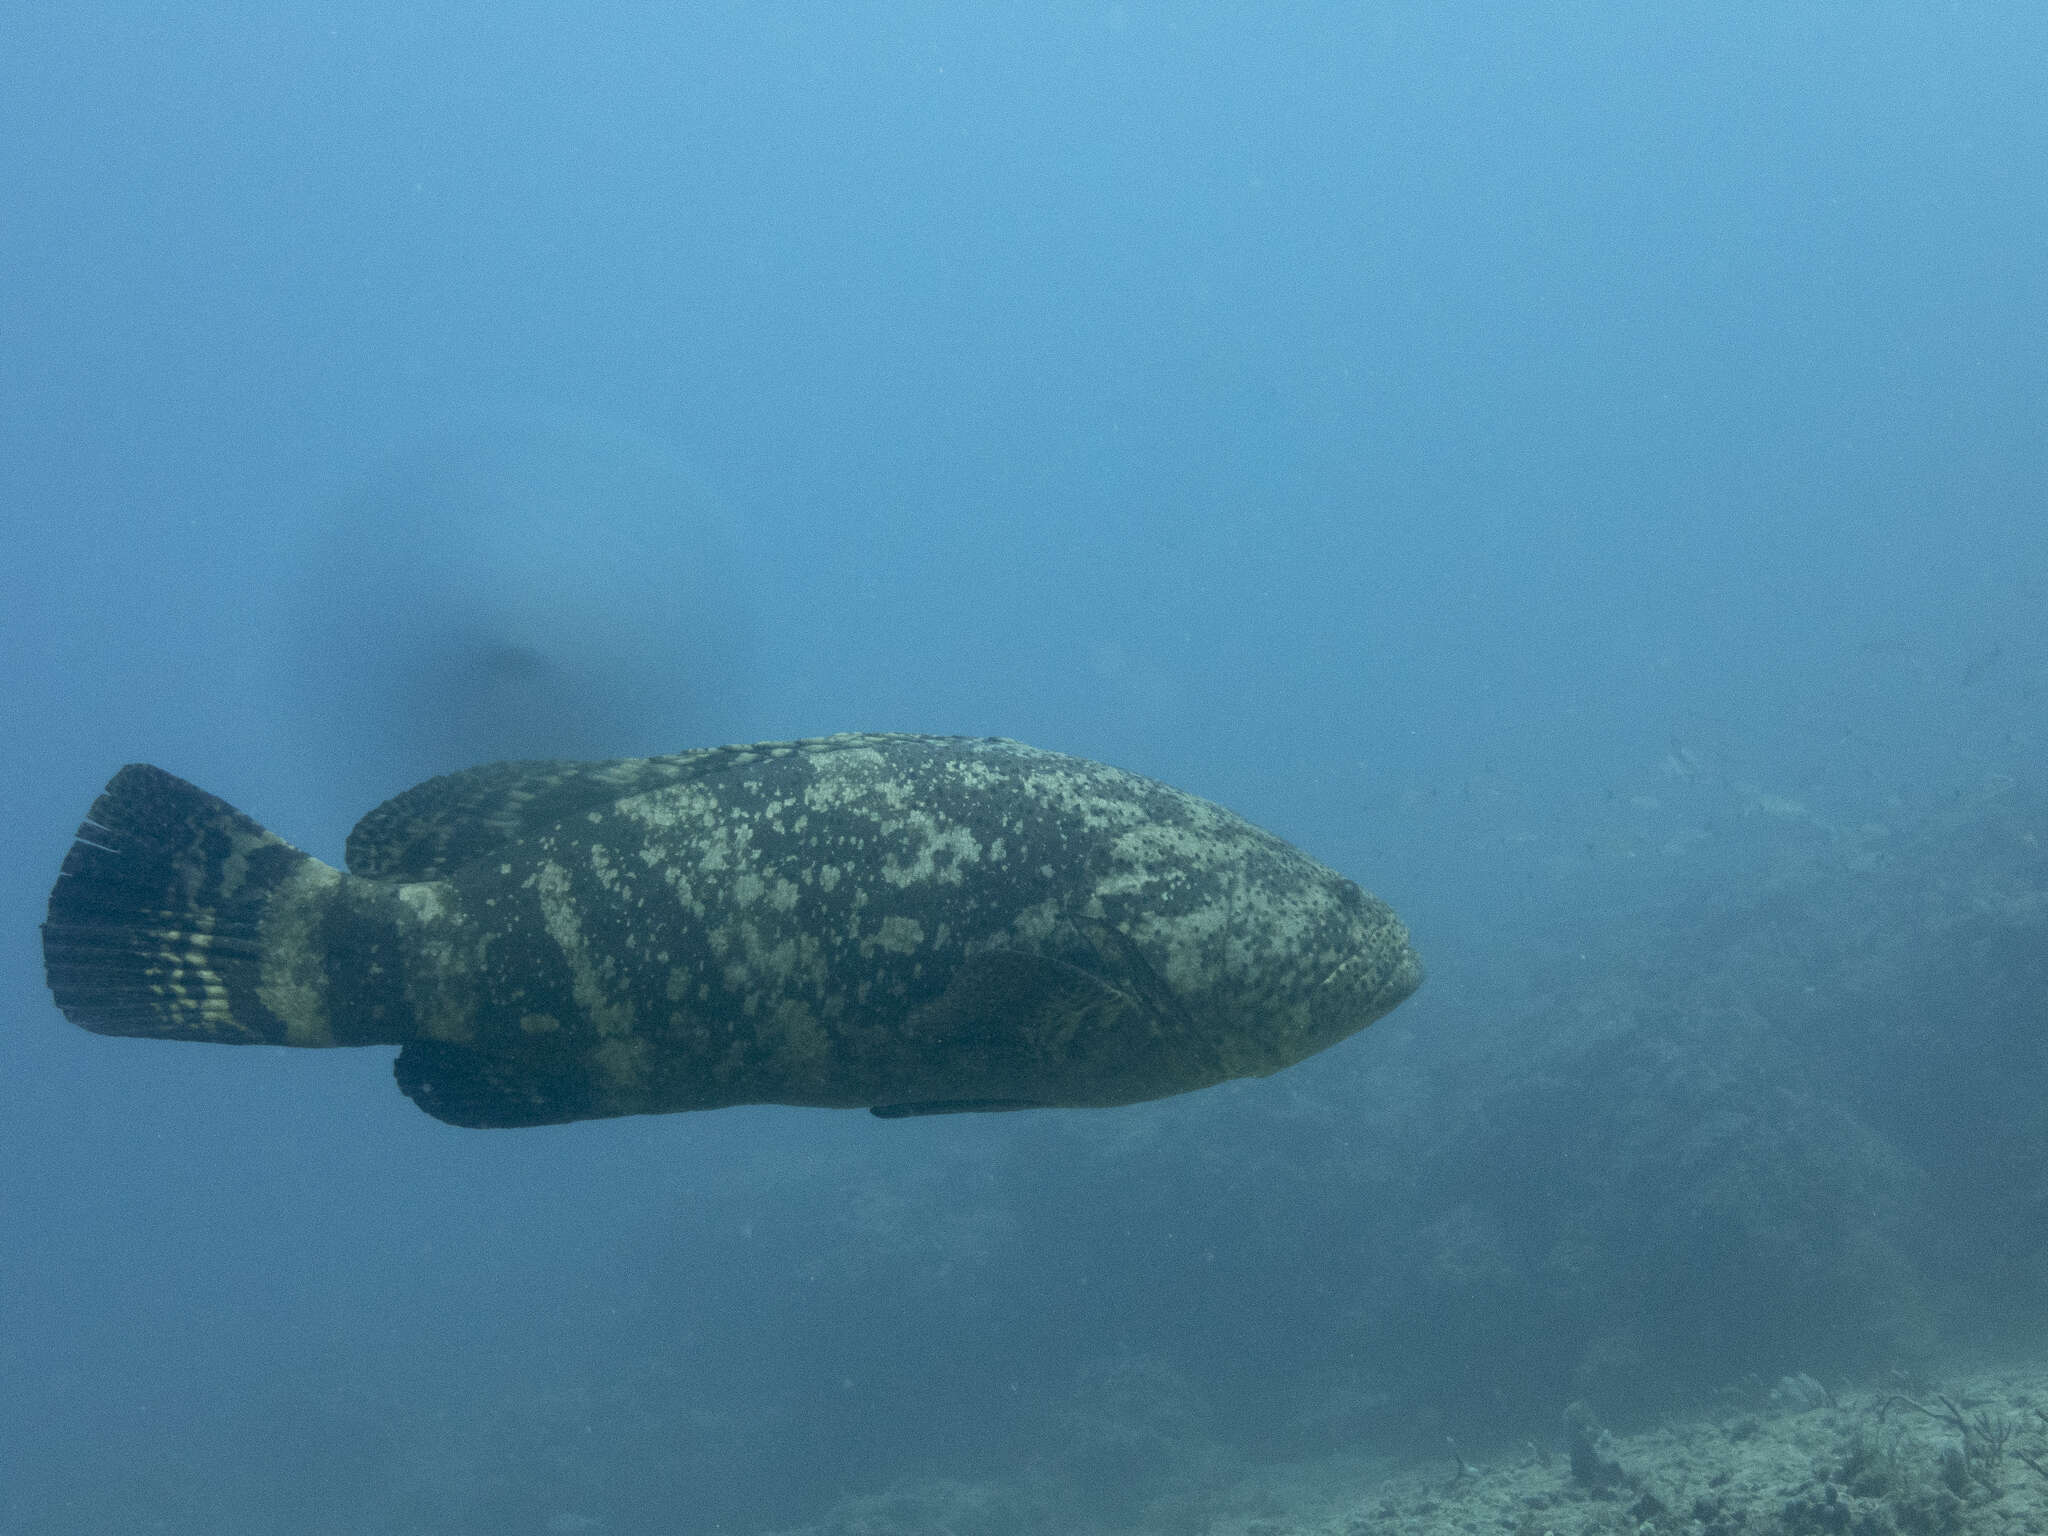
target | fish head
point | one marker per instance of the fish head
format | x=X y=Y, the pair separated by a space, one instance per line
x=1264 y=957
x=1372 y=969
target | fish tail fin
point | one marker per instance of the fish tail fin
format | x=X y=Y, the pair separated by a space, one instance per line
x=155 y=926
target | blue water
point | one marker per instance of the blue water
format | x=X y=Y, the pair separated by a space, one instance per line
x=1545 y=461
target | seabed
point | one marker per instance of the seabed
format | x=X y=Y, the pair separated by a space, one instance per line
x=1964 y=1454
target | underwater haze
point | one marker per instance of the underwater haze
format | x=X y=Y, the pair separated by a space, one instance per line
x=1577 y=470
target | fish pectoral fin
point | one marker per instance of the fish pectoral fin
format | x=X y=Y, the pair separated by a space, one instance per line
x=1039 y=1003
x=951 y=1107
x=1014 y=1028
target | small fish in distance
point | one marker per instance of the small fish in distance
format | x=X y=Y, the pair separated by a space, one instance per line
x=907 y=924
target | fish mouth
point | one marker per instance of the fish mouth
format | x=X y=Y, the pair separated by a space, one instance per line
x=1337 y=971
x=1369 y=982
x=1347 y=988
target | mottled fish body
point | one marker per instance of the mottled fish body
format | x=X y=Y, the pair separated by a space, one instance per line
x=911 y=924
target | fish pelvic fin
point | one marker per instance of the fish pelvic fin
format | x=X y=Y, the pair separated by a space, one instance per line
x=176 y=917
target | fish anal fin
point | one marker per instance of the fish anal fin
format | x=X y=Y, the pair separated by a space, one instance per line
x=484 y=1090
x=951 y=1107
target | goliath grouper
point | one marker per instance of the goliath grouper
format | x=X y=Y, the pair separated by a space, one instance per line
x=910 y=924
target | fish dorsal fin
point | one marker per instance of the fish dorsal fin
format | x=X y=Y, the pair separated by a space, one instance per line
x=450 y=821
